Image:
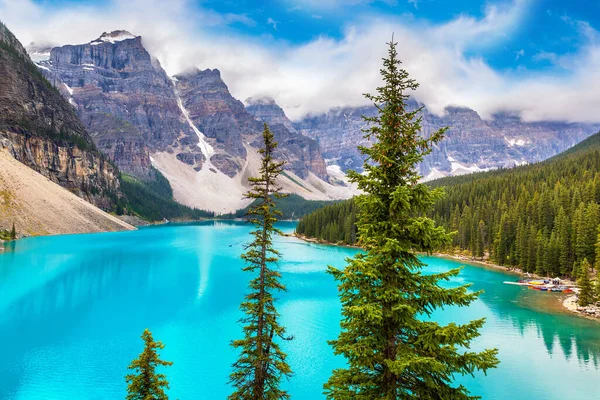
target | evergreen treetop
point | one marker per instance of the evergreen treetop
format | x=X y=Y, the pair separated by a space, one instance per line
x=145 y=383
x=586 y=290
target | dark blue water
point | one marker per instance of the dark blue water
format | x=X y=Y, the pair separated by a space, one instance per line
x=72 y=309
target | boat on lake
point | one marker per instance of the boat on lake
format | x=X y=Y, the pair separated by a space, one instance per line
x=544 y=285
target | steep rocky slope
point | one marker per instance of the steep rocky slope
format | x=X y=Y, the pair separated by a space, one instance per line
x=301 y=153
x=188 y=126
x=125 y=98
x=38 y=206
x=471 y=144
x=41 y=130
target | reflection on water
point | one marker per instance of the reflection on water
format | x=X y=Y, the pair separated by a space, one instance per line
x=72 y=309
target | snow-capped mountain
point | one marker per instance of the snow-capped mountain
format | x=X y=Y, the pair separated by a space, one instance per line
x=188 y=126
x=471 y=144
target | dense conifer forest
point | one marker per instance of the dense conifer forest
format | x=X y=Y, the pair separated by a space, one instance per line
x=291 y=207
x=543 y=218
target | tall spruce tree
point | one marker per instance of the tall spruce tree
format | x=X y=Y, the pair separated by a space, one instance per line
x=586 y=290
x=598 y=252
x=13 y=232
x=258 y=371
x=480 y=246
x=391 y=350
x=145 y=383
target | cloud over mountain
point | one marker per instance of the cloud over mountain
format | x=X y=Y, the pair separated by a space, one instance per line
x=314 y=76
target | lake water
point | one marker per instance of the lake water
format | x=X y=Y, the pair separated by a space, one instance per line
x=72 y=309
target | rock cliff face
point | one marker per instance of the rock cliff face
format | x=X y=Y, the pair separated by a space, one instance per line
x=471 y=144
x=218 y=115
x=41 y=130
x=133 y=109
x=228 y=125
x=125 y=99
x=301 y=153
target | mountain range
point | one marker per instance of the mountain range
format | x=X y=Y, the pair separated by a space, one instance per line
x=188 y=126
x=205 y=141
x=471 y=144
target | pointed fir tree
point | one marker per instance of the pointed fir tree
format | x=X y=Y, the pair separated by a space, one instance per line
x=391 y=351
x=261 y=365
x=597 y=287
x=145 y=383
x=480 y=244
x=13 y=232
x=586 y=291
x=598 y=252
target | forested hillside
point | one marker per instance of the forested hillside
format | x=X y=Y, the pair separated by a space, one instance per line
x=153 y=199
x=292 y=206
x=543 y=218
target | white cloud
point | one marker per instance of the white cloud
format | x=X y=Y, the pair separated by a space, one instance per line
x=271 y=21
x=325 y=72
x=519 y=54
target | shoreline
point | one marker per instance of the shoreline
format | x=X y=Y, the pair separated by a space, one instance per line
x=568 y=305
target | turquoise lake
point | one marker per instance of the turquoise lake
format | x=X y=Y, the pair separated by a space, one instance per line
x=72 y=309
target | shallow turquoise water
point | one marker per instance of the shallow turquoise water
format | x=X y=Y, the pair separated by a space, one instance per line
x=72 y=309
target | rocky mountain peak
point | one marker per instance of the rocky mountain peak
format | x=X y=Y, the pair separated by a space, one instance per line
x=114 y=36
x=265 y=109
x=205 y=79
x=260 y=101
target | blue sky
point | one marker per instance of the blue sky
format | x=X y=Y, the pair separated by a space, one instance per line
x=540 y=58
x=547 y=26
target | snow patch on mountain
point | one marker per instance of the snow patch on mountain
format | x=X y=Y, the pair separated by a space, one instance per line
x=207 y=150
x=516 y=142
x=434 y=174
x=112 y=37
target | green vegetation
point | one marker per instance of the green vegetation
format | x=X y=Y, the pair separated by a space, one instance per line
x=542 y=218
x=153 y=199
x=8 y=235
x=390 y=350
x=335 y=223
x=291 y=207
x=60 y=137
x=145 y=383
x=261 y=364
x=586 y=294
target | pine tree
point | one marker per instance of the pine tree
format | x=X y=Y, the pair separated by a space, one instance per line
x=598 y=252
x=541 y=247
x=586 y=291
x=145 y=383
x=597 y=287
x=261 y=365
x=13 y=232
x=480 y=246
x=391 y=351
